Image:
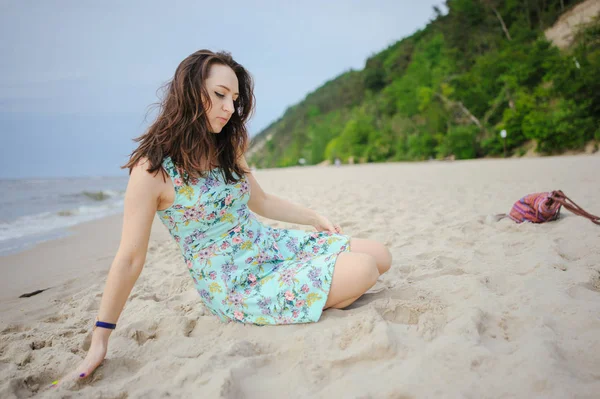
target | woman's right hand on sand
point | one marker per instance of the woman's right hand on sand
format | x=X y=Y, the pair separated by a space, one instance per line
x=93 y=359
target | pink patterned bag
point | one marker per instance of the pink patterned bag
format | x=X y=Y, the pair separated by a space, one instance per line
x=545 y=207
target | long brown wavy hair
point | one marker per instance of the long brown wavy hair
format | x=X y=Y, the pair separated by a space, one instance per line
x=182 y=130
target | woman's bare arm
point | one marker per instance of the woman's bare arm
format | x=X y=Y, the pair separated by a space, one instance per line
x=276 y=208
x=141 y=202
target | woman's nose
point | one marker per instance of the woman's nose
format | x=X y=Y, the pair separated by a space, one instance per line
x=228 y=106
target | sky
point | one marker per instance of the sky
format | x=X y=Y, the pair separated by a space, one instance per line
x=77 y=78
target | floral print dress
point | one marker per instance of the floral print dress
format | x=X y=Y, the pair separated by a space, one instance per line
x=244 y=270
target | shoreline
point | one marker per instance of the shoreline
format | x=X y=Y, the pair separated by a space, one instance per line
x=52 y=264
x=62 y=266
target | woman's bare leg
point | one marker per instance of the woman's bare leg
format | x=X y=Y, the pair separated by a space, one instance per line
x=343 y=304
x=382 y=255
x=353 y=275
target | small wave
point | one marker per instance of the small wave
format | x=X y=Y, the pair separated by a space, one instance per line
x=90 y=210
x=46 y=221
x=100 y=195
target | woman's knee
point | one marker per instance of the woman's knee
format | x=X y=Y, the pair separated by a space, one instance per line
x=354 y=273
x=378 y=251
x=357 y=267
x=386 y=261
x=369 y=271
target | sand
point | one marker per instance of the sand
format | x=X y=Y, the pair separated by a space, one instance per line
x=472 y=307
x=562 y=33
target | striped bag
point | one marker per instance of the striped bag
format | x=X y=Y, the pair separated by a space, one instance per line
x=545 y=207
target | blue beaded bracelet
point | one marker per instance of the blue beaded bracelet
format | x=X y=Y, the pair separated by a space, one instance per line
x=103 y=324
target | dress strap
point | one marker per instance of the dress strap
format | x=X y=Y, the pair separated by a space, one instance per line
x=171 y=169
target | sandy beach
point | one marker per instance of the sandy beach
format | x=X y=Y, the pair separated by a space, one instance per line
x=472 y=307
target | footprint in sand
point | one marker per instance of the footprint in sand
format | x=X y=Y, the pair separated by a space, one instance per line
x=150 y=297
x=568 y=257
x=441 y=273
x=587 y=291
x=460 y=242
x=568 y=251
x=404 y=293
x=438 y=259
x=189 y=327
x=36 y=345
x=401 y=315
x=245 y=349
x=407 y=311
x=32 y=383
x=14 y=328
x=56 y=319
x=595 y=281
x=429 y=255
x=498 y=284
x=141 y=336
x=514 y=248
x=583 y=292
x=503 y=324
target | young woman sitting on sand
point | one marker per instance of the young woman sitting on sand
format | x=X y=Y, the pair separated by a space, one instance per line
x=189 y=168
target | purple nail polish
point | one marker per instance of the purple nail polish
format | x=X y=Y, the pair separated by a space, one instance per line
x=81 y=375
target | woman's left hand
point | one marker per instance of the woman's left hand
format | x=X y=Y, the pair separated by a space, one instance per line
x=321 y=223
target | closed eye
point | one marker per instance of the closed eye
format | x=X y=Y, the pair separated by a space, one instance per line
x=220 y=95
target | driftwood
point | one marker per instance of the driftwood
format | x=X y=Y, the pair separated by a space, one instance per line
x=30 y=294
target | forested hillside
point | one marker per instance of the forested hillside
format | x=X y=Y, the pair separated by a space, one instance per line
x=449 y=89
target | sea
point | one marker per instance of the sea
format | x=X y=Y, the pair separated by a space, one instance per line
x=38 y=210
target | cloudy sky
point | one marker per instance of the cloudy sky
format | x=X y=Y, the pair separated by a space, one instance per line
x=77 y=77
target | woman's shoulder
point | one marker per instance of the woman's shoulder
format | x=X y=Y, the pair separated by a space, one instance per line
x=141 y=165
x=144 y=174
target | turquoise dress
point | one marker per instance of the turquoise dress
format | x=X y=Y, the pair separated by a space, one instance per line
x=244 y=270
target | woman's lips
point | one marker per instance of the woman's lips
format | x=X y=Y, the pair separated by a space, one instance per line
x=222 y=119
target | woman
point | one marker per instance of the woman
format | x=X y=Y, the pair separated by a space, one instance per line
x=190 y=169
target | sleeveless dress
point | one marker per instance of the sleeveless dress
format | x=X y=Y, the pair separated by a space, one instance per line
x=244 y=270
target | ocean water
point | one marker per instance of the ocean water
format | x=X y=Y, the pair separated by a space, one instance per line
x=36 y=210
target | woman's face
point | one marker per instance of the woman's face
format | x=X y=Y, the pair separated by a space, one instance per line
x=222 y=87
